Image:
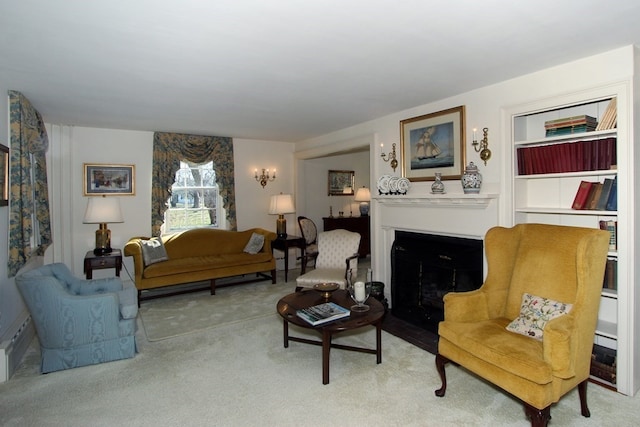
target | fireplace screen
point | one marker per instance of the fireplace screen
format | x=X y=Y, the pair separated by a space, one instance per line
x=425 y=267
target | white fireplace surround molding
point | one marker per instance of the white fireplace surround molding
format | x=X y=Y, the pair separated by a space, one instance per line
x=454 y=215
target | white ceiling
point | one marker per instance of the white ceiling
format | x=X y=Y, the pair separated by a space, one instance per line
x=283 y=70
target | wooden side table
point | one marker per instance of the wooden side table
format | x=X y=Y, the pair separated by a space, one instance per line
x=284 y=244
x=99 y=262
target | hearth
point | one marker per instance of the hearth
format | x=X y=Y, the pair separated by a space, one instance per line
x=425 y=267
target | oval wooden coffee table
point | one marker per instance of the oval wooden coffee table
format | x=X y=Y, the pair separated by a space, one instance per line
x=288 y=305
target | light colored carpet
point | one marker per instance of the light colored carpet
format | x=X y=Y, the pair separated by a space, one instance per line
x=169 y=317
x=239 y=374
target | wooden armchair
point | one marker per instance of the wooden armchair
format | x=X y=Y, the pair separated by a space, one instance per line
x=563 y=265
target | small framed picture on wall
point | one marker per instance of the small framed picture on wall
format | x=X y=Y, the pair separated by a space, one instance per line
x=105 y=180
x=341 y=183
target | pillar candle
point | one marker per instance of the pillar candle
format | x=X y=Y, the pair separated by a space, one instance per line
x=359 y=291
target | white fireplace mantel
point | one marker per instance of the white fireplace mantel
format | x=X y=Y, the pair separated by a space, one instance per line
x=467 y=201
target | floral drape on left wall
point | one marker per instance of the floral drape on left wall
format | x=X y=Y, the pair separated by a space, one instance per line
x=29 y=222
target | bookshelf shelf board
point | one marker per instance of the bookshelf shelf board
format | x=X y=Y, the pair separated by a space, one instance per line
x=583 y=136
x=607 y=329
x=567 y=211
x=610 y=172
x=610 y=293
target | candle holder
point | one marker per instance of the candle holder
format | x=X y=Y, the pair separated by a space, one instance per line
x=359 y=292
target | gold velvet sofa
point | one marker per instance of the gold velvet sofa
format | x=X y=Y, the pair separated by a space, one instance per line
x=202 y=254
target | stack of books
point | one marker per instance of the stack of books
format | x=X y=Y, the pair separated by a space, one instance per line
x=569 y=125
x=323 y=313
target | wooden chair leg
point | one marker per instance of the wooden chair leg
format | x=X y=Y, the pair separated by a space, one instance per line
x=538 y=417
x=440 y=362
x=582 y=392
x=213 y=286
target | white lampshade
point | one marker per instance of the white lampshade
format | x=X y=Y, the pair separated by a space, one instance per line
x=281 y=204
x=102 y=210
x=363 y=195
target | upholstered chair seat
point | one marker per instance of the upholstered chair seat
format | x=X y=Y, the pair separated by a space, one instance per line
x=337 y=257
x=79 y=322
x=530 y=328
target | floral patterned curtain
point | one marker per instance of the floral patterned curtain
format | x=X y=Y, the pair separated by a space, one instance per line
x=169 y=149
x=29 y=223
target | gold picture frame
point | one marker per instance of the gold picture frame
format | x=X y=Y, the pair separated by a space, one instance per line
x=109 y=180
x=433 y=143
x=341 y=183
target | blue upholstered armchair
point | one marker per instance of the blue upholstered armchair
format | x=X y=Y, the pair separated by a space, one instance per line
x=79 y=322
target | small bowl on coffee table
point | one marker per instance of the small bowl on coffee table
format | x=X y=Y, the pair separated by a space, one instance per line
x=326 y=289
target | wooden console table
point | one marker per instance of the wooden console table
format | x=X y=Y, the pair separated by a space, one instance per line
x=359 y=224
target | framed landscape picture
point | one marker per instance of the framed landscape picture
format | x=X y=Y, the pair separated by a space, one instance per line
x=341 y=183
x=433 y=143
x=105 y=180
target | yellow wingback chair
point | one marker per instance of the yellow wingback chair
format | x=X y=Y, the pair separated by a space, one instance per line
x=559 y=263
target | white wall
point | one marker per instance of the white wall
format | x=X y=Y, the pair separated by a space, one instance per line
x=485 y=107
x=11 y=304
x=315 y=185
x=71 y=147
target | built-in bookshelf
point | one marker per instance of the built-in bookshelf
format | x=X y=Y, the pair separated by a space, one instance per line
x=548 y=169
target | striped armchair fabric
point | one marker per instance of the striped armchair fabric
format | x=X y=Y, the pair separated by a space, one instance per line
x=337 y=253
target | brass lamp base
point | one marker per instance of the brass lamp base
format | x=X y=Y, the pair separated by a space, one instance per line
x=281 y=227
x=103 y=240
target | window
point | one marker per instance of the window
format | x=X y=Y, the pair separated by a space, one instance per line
x=194 y=198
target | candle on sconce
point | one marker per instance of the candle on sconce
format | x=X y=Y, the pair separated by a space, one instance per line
x=474 y=134
x=359 y=291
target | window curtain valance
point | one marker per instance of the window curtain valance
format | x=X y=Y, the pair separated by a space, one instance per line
x=29 y=223
x=169 y=149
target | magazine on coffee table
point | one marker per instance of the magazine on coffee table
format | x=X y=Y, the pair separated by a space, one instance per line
x=322 y=313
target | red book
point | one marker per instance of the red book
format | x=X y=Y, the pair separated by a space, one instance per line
x=581 y=195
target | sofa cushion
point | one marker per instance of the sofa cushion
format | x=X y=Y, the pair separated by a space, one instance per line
x=535 y=312
x=489 y=340
x=211 y=262
x=255 y=244
x=153 y=251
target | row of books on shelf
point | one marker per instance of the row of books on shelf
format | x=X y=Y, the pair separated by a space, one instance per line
x=611 y=225
x=603 y=363
x=599 y=196
x=610 y=117
x=598 y=154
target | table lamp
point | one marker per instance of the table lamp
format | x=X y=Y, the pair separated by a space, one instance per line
x=281 y=204
x=102 y=210
x=363 y=195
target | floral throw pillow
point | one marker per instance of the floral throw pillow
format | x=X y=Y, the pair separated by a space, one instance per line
x=535 y=312
x=255 y=244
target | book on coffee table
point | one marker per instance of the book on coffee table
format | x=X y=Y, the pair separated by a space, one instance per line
x=322 y=313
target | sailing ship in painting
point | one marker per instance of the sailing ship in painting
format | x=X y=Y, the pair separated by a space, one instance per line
x=432 y=147
x=425 y=147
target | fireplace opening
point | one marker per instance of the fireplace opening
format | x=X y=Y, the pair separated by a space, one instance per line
x=425 y=267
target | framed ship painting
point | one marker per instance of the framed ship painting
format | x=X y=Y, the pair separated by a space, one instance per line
x=433 y=143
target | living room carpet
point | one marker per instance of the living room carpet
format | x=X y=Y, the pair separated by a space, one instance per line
x=177 y=315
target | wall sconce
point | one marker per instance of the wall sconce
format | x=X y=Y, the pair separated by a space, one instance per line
x=264 y=177
x=102 y=210
x=482 y=147
x=391 y=156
